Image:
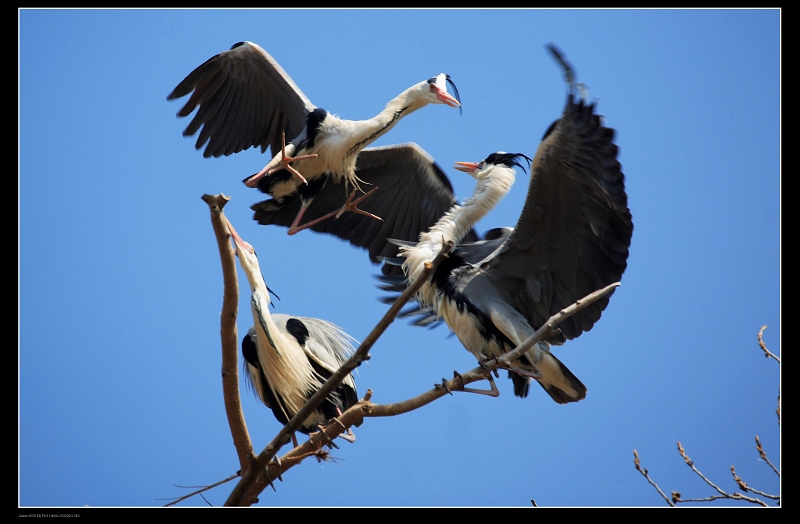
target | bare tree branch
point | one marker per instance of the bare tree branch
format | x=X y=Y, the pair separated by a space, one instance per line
x=676 y=496
x=744 y=487
x=644 y=472
x=229 y=334
x=722 y=493
x=259 y=472
x=257 y=477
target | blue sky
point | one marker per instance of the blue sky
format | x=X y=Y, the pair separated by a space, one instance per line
x=120 y=285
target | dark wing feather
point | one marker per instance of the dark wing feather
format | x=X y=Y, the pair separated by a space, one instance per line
x=413 y=193
x=575 y=229
x=243 y=99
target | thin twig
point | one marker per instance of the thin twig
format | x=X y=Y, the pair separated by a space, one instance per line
x=201 y=490
x=745 y=487
x=763 y=456
x=767 y=353
x=735 y=496
x=644 y=472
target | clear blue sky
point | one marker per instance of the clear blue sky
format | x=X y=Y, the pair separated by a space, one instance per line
x=120 y=285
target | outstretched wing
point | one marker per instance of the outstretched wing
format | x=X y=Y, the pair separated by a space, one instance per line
x=413 y=193
x=245 y=99
x=575 y=229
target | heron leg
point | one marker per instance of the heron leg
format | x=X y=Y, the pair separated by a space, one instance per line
x=349 y=205
x=348 y=435
x=536 y=375
x=494 y=392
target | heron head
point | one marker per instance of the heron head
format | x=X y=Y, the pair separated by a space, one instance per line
x=247 y=256
x=437 y=86
x=481 y=169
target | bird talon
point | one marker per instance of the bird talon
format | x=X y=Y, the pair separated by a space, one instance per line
x=444 y=385
x=352 y=205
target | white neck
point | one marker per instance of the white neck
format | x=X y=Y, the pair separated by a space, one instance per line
x=492 y=186
x=287 y=369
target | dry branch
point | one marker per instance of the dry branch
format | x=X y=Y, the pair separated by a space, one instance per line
x=229 y=334
x=259 y=472
x=722 y=494
x=256 y=478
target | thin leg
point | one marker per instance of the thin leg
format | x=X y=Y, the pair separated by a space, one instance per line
x=349 y=205
x=284 y=164
x=494 y=392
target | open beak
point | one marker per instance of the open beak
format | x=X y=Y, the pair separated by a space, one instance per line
x=239 y=241
x=445 y=97
x=467 y=167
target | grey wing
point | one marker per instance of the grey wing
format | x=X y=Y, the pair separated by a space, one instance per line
x=245 y=99
x=473 y=252
x=575 y=229
x=413 y=193
x=328 y=345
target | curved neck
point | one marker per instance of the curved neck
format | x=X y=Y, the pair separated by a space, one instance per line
x=460 y=219
x=287 y=368
x=403 y=104
x=456 y=223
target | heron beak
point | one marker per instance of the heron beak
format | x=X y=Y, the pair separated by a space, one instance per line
x=239 y=241
x=468 y=167
x=252 y=180
x=445 y=97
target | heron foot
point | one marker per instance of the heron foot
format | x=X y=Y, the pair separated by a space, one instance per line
x=284 y=164
x=484 y=363
x=330 y=443
x=349 y=205
x=286 y=160
x=348 y=435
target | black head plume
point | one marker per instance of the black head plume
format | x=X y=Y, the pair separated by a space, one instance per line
x=508 y=159
x=455 y=93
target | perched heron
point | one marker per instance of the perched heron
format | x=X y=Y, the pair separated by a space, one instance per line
x=246 y=99
x=572 y=238
x=288 y=358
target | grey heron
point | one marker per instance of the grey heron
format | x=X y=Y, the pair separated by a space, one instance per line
x=288 y=357
x=572 y=238
x=246 y=99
